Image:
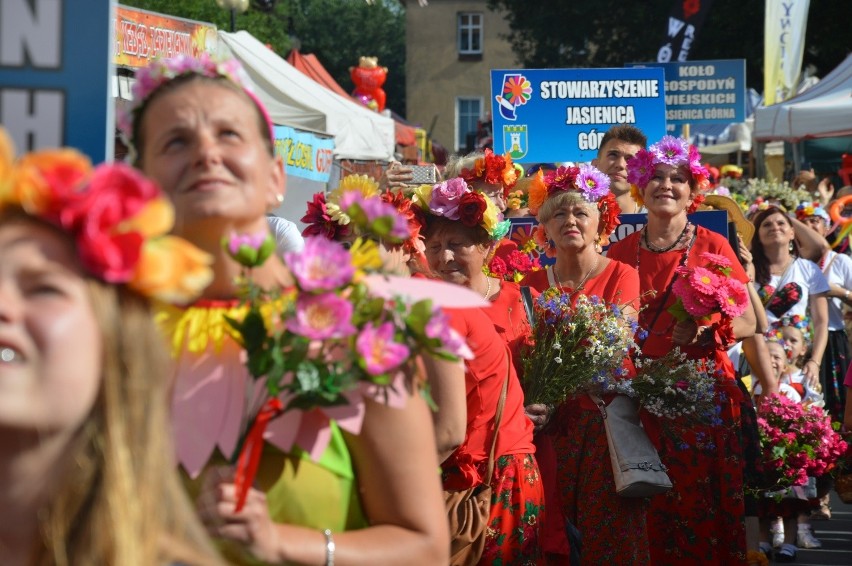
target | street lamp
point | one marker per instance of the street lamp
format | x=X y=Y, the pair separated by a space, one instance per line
x=234 y=6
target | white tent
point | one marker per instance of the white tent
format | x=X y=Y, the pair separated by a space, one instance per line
x=822 y=111
x=295 y=100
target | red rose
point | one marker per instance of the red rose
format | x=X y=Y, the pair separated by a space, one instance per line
x=115 y=193
x=112 y=257
x=472 y=207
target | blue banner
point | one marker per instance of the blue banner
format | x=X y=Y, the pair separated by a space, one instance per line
x=55 y=73
x=304 y=154
x=555 y=115
x=703 y=92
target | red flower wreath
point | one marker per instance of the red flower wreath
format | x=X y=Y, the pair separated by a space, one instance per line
x=472 y=207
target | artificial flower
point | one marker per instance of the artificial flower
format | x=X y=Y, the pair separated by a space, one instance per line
x=446 y=197
x=321 y=266
x=250 y=250
x=362 y=184
x=537 y=192
x=172 y=270
x=319 y=221
x=379 y=351
x=471 y=208
x=592 y=183
x=323 y=316
x=642 y=171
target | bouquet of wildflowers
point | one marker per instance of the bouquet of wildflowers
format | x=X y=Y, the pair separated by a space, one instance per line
x=674 y=386
x=328 y=338
x=796 y=441
x=576 y=348
x=511 y=263
x=704 y=290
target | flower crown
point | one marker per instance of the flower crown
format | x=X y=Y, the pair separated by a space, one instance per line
x=492 y=169
x=456 y=200
x=808 y=209
x=161 y=71
x=803 y=323
x=587 y=181
x=669 y=151
x=117 y=218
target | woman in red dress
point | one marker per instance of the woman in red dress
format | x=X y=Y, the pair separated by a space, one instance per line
x=701 y=519
x=572 y=448
x=460 y=226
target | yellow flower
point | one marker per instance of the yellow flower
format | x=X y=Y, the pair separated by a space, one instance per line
x=422 y=196
x=155 y=219
x=365 y=257
x=634 y=192
x=490 y=216
x=361 y=183
x=172 y=270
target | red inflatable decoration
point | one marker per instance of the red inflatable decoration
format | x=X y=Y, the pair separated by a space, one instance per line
x=369 y=78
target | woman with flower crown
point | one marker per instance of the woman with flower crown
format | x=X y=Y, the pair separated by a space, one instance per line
x=460 y=225
x=576 y=213
x=85 y=456
x=701 y=518
x=331 y=485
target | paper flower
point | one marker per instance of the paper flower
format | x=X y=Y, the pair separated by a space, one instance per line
x=378 y=349
x=319 y=317
x=321 y=266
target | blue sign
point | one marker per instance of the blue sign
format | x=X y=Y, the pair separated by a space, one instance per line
x=555 y=115
x=304 y=154
x=56 y=73
x=703 y=92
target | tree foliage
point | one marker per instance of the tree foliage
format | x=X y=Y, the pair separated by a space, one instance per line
x=336 y=31
x=610 y=33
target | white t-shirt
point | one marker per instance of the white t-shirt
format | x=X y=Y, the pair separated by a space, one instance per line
x=799 y=282
x=838 y=272
x=286 y=233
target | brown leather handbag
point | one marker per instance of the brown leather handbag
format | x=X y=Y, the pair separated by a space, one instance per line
x=469 y=510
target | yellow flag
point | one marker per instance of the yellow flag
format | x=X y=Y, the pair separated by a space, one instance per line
x=783 y=48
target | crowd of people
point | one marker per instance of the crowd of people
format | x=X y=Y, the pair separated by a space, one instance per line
x=106 y=272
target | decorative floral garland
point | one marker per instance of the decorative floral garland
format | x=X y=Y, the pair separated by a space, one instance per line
x=669 y=151
x=492 y=169
x=588 y=181
x=117 y=218
x=808 y=209
x=456 y=200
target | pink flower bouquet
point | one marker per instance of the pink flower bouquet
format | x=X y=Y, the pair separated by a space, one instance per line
x=704 y=290
x=796 y=442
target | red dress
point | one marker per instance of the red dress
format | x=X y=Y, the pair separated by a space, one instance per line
x=517 y=496
x=575 y=463
x=510 y=320
x=700 y=521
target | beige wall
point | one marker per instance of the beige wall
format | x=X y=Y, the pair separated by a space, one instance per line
x=434 y=74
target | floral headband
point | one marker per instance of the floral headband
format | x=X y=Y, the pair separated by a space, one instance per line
x=669 y=151
x=354 y=211
x=117 y=218
x=456 y=200
x=803 y=323
x=492 y=169
x=161 y=71
x=588 y=181
x=808 y=209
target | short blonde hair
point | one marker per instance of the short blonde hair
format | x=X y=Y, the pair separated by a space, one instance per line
x=564 y=199
x=457 y=163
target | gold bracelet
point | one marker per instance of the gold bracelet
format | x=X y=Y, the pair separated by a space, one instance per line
x=813 y=361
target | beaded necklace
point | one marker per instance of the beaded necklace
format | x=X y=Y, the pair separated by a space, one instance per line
x=668 y=248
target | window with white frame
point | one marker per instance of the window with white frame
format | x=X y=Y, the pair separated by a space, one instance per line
x=468 y=113
x=470 y=33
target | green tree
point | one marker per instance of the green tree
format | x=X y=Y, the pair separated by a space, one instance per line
x=336 y=31
x=609 y=33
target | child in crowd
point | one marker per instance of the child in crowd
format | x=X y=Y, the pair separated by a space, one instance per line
x=787 y=346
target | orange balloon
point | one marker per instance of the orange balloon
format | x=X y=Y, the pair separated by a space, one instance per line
x=835 y=209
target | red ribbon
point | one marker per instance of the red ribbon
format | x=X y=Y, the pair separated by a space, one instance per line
x=252 y=449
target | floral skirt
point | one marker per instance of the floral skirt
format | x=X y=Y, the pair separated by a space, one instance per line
x=701 y=519
x=612 y=528
x=517 y=506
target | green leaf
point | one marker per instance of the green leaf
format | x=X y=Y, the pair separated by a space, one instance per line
x=419 y=316
x=253 y=330
x=678 y=311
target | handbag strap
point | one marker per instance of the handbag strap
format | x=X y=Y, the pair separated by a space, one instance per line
x=498 y=416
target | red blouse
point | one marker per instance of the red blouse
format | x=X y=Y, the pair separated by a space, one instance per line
x=618 y=283
x=484 y=376
x=509 y=317
x=655 y=272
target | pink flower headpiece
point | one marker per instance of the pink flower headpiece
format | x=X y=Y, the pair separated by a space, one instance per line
x=670 y=151
x=161 y=71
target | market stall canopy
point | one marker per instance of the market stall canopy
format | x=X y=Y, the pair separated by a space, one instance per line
x=312 y=67
x=824 y=110
x=358 y=133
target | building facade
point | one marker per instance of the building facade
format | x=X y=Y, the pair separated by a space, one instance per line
x=451 y=47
